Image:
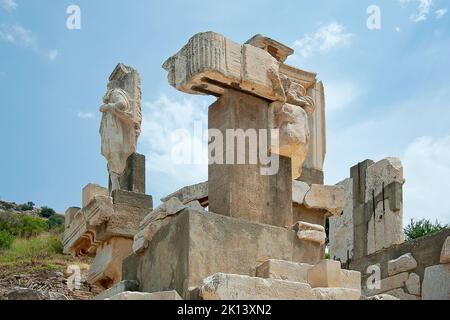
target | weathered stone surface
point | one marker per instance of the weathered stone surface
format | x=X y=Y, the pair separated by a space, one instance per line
x=436 y=283
x=330 y=198
x=299 y=190
x=313 y=236
x=121 y=120
x=337 y=294
x=133 y=177
x=222 y=286
x=25 y=294
x=241 y=190
x=284 y=270
x=195 y=245
x=209 y=63
x=133 y=199
x=326 y=274
x=402 y=295
x=276 y=49
x=403 y=263
x=390 y=283
x=292 y=123
x=188 y=194
x=351 y=279
x=341 y=232
x=122 y=286
x=106 y=269
x=445 y=253
x=130 y=295
x=385 y=172
x=90 y=191
x=305 y=226
x=413 y=284
x=296 y=94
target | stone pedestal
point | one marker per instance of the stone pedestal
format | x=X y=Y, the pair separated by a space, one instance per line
x=196 y=244
x=240 y=190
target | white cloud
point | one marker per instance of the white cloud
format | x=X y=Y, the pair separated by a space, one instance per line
x=440 y=13
x=323 y=40
x=339 y=95
x=397 y=29
x=8 y=5
x=16 y=34
x=161 y=119
x=52 y=55
x=427 y=170
x=25 y=38
x=85 y=115
x=423 y=9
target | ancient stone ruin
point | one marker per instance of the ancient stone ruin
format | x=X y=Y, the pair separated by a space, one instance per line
x=248 y=232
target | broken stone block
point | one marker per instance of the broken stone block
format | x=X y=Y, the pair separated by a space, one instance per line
x=130 y=295
x=403 y=263
x=329 y=198
x=276 y=49
x=90 y=191
x=106 y=269
x=337 y=294
x=210 y=63
x=188 y=194
x=382 y=297
x=413 y=284
x=222 y=286
x=383 y=172
x=299 y=190
x=305 y=226
x=313 y=236
x=122 y=286
x=402 y=295
x=325 y=274
x=284 y=270
x=436 y=283
x=351 y=279
x=195 y=245
x=445 y=253
x=390 y=283
x=293 y=134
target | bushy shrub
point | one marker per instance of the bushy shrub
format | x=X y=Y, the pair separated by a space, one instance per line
x=31 y=226
x=56 y=222
x=6 y=240
x=424 y=227
x=46 y=212
x=26 y=206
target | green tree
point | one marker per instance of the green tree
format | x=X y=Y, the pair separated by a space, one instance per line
x=27 y=206
x=424 y=227
x=31 y=226
x=56 y=222
x=46 y=212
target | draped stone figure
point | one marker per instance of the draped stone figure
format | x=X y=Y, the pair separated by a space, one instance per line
x=121 y=121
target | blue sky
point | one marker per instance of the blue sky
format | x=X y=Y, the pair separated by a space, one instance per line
x=387 y=90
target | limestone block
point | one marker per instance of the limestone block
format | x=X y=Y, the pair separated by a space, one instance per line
x=209 y=63
x=402 y=295
x=351 y=279
x=436 y=283
x=222 y=286
x=69 y=215
x=325 y=274
x=299 y=190
x=90 y=191
x=390 y=283
x=445 y=253
x=106 y=269
x=284 y=270
x=278 y=50
x=195 y=245
x=341 y=233
x=403 y=263
x=313 y=236
x=330 y=198
x=337 y=294
x=413 y=284
x=130 y=295
x=191 y=193
x=293 y=133
x=122 y=286
x=383 y=172
x=305 y=226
